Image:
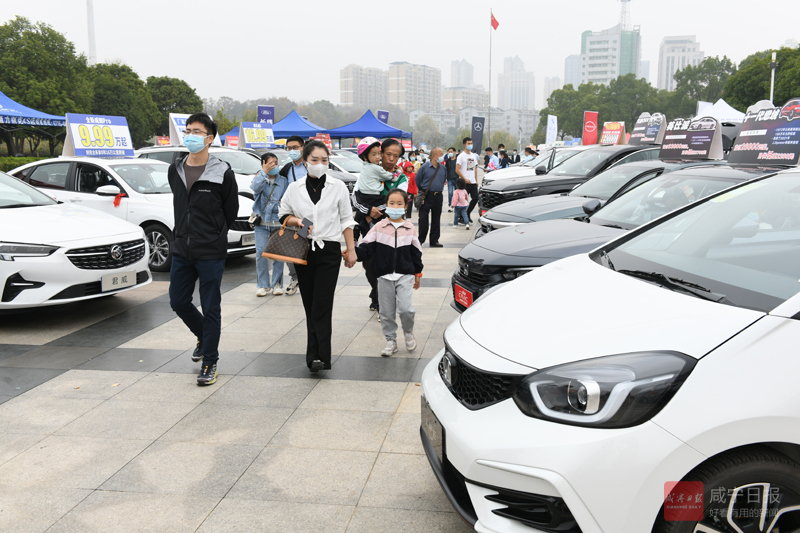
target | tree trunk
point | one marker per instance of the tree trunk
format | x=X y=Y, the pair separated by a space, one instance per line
x=15 y=144
x=34 y=147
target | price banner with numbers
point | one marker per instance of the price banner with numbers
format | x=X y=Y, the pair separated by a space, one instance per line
x=256 y=135
x=97 y=136
x=698 y=138
x=613 y=133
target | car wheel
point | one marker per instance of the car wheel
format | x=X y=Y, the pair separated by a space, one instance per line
x=159 y=239
x=753 y=490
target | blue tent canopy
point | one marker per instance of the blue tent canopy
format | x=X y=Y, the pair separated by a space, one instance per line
x=234 y=132
x=12 y=112
x=367 y=126
x=294 y=124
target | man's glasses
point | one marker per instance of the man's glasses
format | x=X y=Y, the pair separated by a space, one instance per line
x=195 y=132
x=290 y=148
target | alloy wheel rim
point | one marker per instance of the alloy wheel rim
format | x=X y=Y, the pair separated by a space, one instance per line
x=752 y=508
x=159 y=248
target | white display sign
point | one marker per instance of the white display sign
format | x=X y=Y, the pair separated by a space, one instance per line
x=97 y=136
x=256 y=135
x=552 y=129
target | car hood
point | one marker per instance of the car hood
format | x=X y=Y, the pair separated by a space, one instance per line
x=543 y=242
x=515 y=172
x=545 y=207
x=62 y=223
x=526 y=182
x=576 y=309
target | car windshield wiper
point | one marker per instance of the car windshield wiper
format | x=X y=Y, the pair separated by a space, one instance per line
x=21 y=205
x=678 y=284
x=612 y=226
x=604 y=255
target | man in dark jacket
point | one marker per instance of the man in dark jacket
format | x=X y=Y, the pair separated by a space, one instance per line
x=206 y=201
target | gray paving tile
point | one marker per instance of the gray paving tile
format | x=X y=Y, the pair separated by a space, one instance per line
x=403 y=436
x=7 y=351
x=86 y=384
x=371 y=520
x=372 y=368
x=280 y=365
x=131 y=359
x=15 y=381
x=246 y=516
x=184 y=468
x=416 y=376
x=403 y=481
x=42 y=414
x=121 y=419
x=261 y=391
x=13 y=445
x=122 y=512
x=334 y=430
x=69 y=462
x=229 y=363
x=56 y=357
x=113 y=331
x=220 y=423
x=304 y=475
x=35 y=509
x=355 y=395
x=166 y=387
x=4 y=399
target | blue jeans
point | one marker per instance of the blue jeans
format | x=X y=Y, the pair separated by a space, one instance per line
x=461 y=213
x=451 y=186
x=263 y=264
x=206 y=325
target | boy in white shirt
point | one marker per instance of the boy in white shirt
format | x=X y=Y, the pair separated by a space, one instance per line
x=466 y=167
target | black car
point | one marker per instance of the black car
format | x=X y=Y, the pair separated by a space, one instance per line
x=593 y=193
x=541 y=164
x=564 y=177
x=506 y=254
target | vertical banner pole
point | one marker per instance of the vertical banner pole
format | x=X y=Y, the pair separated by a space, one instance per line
x=489 y=128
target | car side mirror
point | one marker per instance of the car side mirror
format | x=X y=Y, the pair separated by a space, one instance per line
x=107 y=190
x=541 y=170
x=591 y=206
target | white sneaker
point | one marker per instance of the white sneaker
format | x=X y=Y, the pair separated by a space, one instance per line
x=292 y=288
x=277 y=291
x=262 y=291
x=455 y=226
x=467 y=226
x=389 y=349
x=411 y=342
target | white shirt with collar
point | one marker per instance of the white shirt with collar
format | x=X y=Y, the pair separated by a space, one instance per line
x=330 y=216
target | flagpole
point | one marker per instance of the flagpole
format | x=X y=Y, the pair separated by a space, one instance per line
x=489 y=128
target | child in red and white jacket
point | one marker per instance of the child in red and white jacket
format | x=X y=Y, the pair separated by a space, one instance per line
x=394 y=245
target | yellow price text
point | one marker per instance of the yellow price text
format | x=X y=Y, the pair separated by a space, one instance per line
x=97 y=137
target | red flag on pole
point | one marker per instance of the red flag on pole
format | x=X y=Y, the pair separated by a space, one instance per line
x=495 y=24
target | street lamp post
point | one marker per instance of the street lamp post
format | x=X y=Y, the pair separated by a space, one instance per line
x=772 y=67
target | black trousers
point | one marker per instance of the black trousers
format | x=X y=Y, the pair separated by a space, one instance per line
x=431 y=206
x=472 y=190
x=317 y=282
x=372 y=279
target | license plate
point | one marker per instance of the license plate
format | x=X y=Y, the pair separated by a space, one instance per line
x=463 y=296
x=248 y=239
x=432 y=428
x=120 y=280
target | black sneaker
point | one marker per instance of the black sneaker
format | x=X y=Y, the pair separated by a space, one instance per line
x=373 y=307
x=208 y=375
x=316 y=366
x=198 y=352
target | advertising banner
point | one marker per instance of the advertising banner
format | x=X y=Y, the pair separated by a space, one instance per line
x=769 y=136
x=406 y=144
x=477 y=134
x=232 y=141
x=266 y=113
x=590 y=127
x=256 y=135
x=383 y=116
x=325 y=138
x=686 y=139
x=552 y=129
x=177 y=123
x=162 y=141
x=97 y=136
x=613 y=133
x=649 y=129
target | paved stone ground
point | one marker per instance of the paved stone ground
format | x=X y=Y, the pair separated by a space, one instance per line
x=104 y=428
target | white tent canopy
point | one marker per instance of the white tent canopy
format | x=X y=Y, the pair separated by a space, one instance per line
x=722 y=112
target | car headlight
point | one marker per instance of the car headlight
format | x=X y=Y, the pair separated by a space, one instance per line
x=514 y=273
x=10 y=250
x=607 y=392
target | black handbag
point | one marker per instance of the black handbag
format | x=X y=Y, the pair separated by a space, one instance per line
x=286 y=245
x=419 y=200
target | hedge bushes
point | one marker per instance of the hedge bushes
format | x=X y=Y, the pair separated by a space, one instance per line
x=10 y=163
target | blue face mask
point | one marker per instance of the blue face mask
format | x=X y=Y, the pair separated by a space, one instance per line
x=469 y=147
x=441 y=159
x=395 y=212
x=273 y=172
x=294 y=155
x=412 y=158
x=195 y=143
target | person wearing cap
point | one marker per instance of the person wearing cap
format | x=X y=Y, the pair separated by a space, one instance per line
x=368 y=194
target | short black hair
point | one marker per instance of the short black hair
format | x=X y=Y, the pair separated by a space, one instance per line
x=266 y=156
x=461 y=183
x=205 y=120
x=466 y=139
x=528 y=149
x=296 y=138
x=501 y=146
x=391 y=142
x=401 y=192
x=489 y=149
x=310 y=146
x=451 y=148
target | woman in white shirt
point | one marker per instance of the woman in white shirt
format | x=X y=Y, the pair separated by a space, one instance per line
x=326 y=203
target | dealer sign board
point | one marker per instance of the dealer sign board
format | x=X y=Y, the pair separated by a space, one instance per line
x=700 y=138
x=769 y=136
x=256 y=135
x=613 y=133
x=97 y=136
x=649 y=129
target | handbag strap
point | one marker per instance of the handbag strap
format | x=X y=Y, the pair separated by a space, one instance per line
x=432 y=179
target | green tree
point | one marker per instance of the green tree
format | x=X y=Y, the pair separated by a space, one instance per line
x=426 y=131
x=322 y=113
x=752 y=81
x=502 y=137
x=706 y=81
x=224 y=122
x=624 y=99
x=539 y=137
x=118 y=91
x=40 y=69
x=172 y=95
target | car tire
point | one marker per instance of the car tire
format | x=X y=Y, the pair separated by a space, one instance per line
x=159 y=241
x=755 y=465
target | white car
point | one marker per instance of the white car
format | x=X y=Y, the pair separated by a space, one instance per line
x=146 y=199
x=53 y=253
x=664 y=403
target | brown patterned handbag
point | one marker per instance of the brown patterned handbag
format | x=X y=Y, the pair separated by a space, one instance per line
x=286 y=245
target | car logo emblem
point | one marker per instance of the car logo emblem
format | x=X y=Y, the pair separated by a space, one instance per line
x=447 y=371
x=478 y=126
x=116 y=252
x=590 y=126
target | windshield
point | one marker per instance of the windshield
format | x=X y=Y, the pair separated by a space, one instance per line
x=15 y=193
x=240 y=162
x=582 y=163
x=350 y=165
x=605 y=184
x=348 y=154
x=145 y=178
x=657 y=197
x=743 y=244
x=540 y=160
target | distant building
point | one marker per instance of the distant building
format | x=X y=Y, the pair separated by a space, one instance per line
x=462 y=74
x=521 y=123
x=363 y=87
x=790 y=43
x=572 y=70
x=515 y=86
x=413 y=87
x=550 y=85
x=444 y=121
x=676 y=53
x=460 y=97
x=610 y=53
x=644 y=69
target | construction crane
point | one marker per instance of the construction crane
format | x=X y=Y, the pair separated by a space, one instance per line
x=625 y=23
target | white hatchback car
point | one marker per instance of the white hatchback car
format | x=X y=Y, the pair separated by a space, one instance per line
x=53 y=253
x=645 y=386
x=146 y=199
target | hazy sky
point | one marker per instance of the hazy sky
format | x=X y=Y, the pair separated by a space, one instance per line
x=248 y=49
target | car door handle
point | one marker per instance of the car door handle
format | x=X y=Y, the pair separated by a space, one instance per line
x=75 y=200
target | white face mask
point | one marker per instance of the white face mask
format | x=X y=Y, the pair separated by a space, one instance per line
x=317 y=171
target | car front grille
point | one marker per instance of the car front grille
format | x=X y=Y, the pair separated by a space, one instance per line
x=491 y=199
x=107 y=257
x=473 y=274
x=476 y=388
x=241 y=224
